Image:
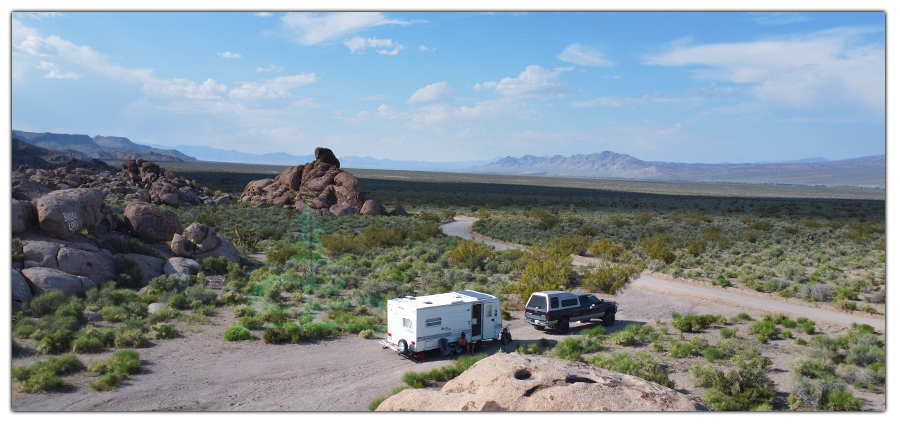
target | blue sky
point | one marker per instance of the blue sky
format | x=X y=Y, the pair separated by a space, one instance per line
x=682 y=87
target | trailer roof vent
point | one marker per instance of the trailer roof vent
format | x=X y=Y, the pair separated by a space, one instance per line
x=427 y=303
x=411 y=297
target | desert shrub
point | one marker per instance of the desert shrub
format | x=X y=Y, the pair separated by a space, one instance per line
x=167 y=284
x=607 y=249
x=659 y=247
x=727 y=333
x=824 y=393
x=116 y=370
x=242 y=311
x=692 y=322
x=17 y=254
x=178 y=301
x=442 y=374
x=163 y=331
x=23 y=330
x=569 y=349
x=570 y=244
x=546 y=269
x=128 y=273
x=214 y=265
x=877 y=372
x=639 y=364
x=683 y=349
x=611 y=278
x=367 y=333
x=46 y=375
x=237 y=333
x=55 y=342
x=47 y=303
x=587 y=231
x=87 y=345
x=470 y=254
x=131 y=245
x=131 y=338
x=282 y=252
x=743 y=389
x=765 y=330
x=297 y=334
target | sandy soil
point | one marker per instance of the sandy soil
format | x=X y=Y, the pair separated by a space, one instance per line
x=202 y=372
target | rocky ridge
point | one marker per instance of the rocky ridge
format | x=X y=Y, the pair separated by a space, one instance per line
x=514 y=382
x=321 y=185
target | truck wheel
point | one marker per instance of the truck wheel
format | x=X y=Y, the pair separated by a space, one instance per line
x=609 y=320
x=507 y=336
x=563 y=326
x=538 y=327
x=402 y=346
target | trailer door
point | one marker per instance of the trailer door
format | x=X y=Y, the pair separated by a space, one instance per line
x=476 y=321
x=489 y=329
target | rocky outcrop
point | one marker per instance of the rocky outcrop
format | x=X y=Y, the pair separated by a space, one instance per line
x=513 y=382
x=199 y=241
x=322 y=186
x=98 y=266
x=152 y=223
x=23 y=215
x=45 y=279
x=151 y=267
x=21 y=292
x=181 y=266
x=64 y=213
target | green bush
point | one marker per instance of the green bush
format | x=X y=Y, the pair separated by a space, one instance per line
x=640 y=364
x=116 y=370
x=442 y=374
x=89 y=345
x=765 y=330
x=132 y=245
x=215 y=265
x=569 y=349
x=744 y=389
x=56 y=342
x=470 y=254
x=367 y=333
x=131 y=338
x=46 y=375
x=128 y=273
x=237 y=333
x=163 y=331
x=728 y=333
x=47 y=303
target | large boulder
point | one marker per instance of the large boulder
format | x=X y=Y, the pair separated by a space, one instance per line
x=63 y=213
x=29 y=190
x=24 y=214
x=151 y=267
x=181 y=266
x=513 y=382
x=151 y=222
x=200 y=241
x=98 y=266
x=372 y=207
x=326 y=156
x=290 y=178
x=45 y=279
x=40 y=253
x=21 y=292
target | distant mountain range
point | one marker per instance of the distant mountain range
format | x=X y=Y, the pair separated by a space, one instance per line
x=859 y=172
x=100 y=147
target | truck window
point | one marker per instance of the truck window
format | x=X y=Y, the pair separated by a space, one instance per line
x=593 y=299
x=569 y=302
x=537 y=302
x=554 y=302
x=431 y=322
x=585 y=301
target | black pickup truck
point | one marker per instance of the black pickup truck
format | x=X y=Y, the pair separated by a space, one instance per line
x=556 y=309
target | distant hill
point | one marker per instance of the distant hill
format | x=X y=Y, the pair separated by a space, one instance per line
x=100 y=147
x=43 y=158
x=858 y=172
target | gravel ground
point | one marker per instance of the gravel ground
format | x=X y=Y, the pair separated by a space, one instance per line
x=202 y=372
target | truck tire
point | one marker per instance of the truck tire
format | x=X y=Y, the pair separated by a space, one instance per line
x=562 y=326
x=538 y=327
x=507 y=336
x=401 y=345
x=609 y=319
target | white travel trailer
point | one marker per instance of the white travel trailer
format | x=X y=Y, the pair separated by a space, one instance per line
x=417 y=324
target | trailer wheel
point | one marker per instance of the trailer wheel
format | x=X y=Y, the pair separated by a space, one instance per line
x=507 y=337
x=563 y=326
x=401 y=345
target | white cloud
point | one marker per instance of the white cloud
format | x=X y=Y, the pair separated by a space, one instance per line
x=617 y=101
x=54 y=73
x=440 y=91
x=360 y=44
x=535 y=81
x=488 y=110
x=40 y=15
x=485 y=86
x=583 y=56
x=263 y=14
x=271 y=68
x=313 y=28
x=227 y=54
x=208 y=90
x=829 y=68
x=426 y=49
x=272 y=88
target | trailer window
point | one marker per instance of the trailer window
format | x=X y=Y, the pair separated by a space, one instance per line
x=407 y=323
x=537 y=302
x=431 y=322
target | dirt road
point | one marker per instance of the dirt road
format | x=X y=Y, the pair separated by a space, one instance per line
x=751 y=301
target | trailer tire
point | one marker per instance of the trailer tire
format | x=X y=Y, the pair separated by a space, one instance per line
x=563 y=326
x=507 y=337
x=401 y=345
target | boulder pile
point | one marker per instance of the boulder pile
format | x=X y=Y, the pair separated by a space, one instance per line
x=139 y=180
x=514 y=382
x=321 y=185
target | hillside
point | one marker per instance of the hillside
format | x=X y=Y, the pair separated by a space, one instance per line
x=100 y=147
x=858 y=172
